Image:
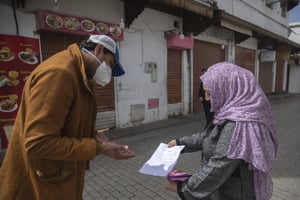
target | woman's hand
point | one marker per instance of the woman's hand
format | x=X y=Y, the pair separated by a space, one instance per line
x=172 y=143
x=171 y=186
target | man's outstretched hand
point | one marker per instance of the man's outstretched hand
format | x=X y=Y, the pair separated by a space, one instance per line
x=116 y=151
x=106 y=147
x=100 y=135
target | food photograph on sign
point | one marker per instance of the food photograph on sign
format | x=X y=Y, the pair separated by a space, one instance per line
x=102 y=28
x=54 y=21
x=8 y=105
x=71 y=23
x=13 y=77
x=87 y=25
x=6 y=54
x=48 y=20
x=3 y=80
x=28 y=57
x=115 y=31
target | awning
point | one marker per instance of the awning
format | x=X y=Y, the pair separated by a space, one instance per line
x=196 y=16
x=244 y=27
x=189 y=5
x=235 y=27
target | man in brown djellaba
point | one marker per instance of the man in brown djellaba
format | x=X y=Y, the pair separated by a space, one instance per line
x=54 y=135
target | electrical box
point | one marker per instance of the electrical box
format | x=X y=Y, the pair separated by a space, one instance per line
x=147 y=67
x=151 y=67
x=154 y=72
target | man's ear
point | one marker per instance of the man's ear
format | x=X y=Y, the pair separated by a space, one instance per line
x=99 y=49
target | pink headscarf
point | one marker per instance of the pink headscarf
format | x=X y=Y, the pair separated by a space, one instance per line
x=236 y=95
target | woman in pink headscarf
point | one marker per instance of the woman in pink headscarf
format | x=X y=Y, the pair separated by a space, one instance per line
x=239 y=147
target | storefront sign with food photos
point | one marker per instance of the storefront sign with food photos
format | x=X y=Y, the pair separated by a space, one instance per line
x=18 y=57
x=48 y=20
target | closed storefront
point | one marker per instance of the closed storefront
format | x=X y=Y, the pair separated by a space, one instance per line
x=267 y=70
x=279 y=76
x=174 y=82
x=205 y=54
x=266 y=76
x=245 y=58
x=53 y=42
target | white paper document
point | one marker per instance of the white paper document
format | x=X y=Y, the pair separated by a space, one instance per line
x=162 y=160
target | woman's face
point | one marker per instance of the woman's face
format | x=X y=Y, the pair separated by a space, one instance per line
x=207 y=93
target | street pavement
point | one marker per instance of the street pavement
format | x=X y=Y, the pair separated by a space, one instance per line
x=110 y=179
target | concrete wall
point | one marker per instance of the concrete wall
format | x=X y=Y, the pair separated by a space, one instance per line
x=257 y=13
x=103 y=10
x=144 y=42
x=26 y=21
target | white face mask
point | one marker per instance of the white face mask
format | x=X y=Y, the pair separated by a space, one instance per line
x=103 y=73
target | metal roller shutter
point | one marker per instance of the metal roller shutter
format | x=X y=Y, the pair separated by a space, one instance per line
x=279 y=76
x=205 y=54
x=174 y=76
x=266 y=76
x=174 y=81
x=245 y=58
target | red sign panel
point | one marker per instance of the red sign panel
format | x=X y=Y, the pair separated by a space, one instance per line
x=153 y=103
x=47 y=20
x=175 y=42
x=18 y=57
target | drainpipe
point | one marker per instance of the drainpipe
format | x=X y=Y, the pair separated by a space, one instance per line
x=15 y=16
x=190 y=82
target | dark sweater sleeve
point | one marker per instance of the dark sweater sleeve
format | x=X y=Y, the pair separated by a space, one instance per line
x=214 y=173
x=192 y=143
